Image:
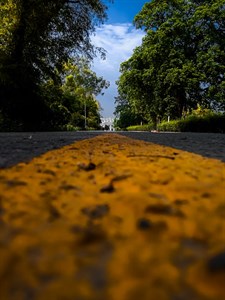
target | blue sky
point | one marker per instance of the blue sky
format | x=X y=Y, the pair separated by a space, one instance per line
x=123 y=11
x=118 y=37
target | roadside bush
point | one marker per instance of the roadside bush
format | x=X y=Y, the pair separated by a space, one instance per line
x=92 y=128
x=169 y=126
x=147 y=127
x=193 y=123
x=70 y=127
x=7 y=124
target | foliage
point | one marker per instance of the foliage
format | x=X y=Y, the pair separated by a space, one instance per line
x=180 y=63
x=70 y=127
x=36 y=39
x=74 y=100
x=147 y=127
x=200 y=111
x=172 y=126
x=193 y=123
x=125 y=116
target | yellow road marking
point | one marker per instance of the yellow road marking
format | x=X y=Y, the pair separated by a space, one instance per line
x=113 y=218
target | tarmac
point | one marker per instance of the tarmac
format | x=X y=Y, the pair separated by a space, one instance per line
x=23 y=146
x=210 y=145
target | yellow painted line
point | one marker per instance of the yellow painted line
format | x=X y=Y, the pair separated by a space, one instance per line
x=113 y=218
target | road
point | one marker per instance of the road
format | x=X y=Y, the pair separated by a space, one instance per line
x=22 y=146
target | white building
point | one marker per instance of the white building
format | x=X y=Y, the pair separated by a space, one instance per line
x=108 y=122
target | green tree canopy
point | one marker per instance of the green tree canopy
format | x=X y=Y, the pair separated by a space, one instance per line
x=180 y=62
x=74 y=102
x=36 y=38
x=80 y=88
x=124 y=115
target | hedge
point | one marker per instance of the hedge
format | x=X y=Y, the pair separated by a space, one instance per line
x=209 y=123
x=147 y=127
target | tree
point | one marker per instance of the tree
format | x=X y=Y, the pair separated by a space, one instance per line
x=74 y=103
x=180 y=63
x=80 y=88
x=37 y=38
x=124 y=115
x=134 y=87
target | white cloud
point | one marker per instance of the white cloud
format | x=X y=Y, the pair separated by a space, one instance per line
x=119 y=41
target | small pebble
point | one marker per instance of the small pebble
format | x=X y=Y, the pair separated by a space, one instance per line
x=68 y=187
x=181 y=201
x=54 y=213
x=14 y=183
x=87 y=167
x=96 y=212
x=144 y=224
x=107 y=188
x=217 y=262
x=164 y=209
x=161 y=209
x=91 y=234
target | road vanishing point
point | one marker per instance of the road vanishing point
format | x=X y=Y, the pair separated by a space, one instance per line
x=112 y=216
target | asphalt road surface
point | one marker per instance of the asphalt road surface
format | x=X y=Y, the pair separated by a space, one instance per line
x=18 y=147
